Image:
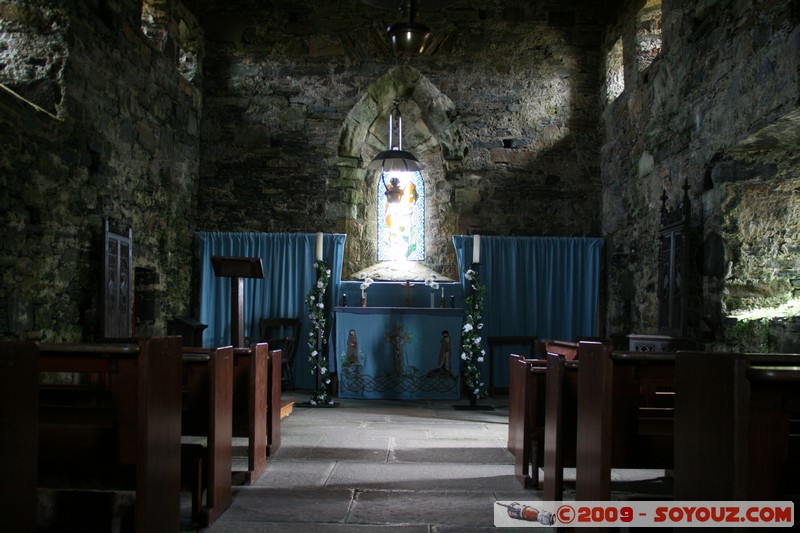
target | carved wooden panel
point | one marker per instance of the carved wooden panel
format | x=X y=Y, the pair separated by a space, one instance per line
x=673 y=267
x=117 y=284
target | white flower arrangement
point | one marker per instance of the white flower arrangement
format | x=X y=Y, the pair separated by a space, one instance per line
x=366 y=281
x=432 y=283
x=472 y=353
x=316 y=334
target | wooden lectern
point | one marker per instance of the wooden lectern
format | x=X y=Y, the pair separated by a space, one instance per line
x=237 y=268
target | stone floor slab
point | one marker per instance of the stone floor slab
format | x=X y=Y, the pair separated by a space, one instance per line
x=467 y=451
x=423 y=476
x=422 y=508
x=305 y=474
x=287 y=506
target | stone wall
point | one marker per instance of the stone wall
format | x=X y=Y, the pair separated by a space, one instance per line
x=517 y=82
x=727 y=71
x=121 y=144
x=506 y=108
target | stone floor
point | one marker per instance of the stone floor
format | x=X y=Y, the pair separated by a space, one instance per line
x=393 y=466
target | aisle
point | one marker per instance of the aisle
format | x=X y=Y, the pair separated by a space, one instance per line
x=386 y=466
x=370 y=465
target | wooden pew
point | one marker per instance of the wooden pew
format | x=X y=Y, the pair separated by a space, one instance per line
x=560 y=414
x=526 y=417
x=257 y=404
x=732 y=419
x=610 y=395
x=274 y=407
x=617 y=425
x=567 y=350
x=527 y=385
x=19 y=409
x=208 y=412
x=495 y=342
x=138 y=428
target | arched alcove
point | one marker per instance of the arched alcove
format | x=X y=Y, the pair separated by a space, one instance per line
x=431 y=132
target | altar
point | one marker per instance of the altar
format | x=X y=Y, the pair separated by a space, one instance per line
x=401 y=353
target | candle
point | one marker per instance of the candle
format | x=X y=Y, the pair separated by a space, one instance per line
x=319 y=246
x=476 y=248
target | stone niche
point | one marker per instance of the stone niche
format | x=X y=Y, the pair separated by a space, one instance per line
x=752 y=242
x=431 y=132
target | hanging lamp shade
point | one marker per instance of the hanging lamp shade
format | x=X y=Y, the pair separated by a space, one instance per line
x=396 y=160
x=409 y=38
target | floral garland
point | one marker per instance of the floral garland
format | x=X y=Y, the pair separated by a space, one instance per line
x=472 y=354
x=316 y=313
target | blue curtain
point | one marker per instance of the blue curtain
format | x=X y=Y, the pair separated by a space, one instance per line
x=288 y=261
x=543 y=286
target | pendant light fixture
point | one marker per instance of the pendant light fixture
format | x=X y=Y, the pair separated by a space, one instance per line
x=395 y=159
x=409 y=38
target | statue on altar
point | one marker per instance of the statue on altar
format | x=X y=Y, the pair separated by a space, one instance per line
x=443 y=366
x=398 y=339
x=444 y=351
x=352 y=349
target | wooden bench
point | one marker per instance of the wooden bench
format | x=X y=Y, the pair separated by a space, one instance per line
x=516 y=342
x=625 y=416
x=526 y=410
x=132 y=417
x=732 y=426
x=599 y=414
x=561 y=395
x=526 y=417
x=19 y=409
x=208 y=412
x=257 y=404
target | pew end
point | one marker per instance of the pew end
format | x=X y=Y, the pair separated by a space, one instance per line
x=113 y=434
x=733 y=433
x=207 y=413
x=526 y=417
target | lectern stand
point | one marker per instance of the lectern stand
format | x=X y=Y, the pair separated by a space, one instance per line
x=237 y=268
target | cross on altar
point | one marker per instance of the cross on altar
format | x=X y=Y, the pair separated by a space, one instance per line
x=237 y=268
x=408 y=286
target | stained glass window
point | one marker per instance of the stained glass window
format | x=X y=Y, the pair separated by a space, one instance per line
x=401 y=217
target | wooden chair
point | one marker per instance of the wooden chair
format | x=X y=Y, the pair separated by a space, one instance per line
x=282 y=334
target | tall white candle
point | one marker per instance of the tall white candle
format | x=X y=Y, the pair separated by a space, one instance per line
x=319 y=246
x=476 y=248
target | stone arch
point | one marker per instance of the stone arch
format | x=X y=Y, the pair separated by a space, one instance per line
x=432 y=131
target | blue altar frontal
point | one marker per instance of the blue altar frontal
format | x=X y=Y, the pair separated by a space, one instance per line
x=401 y=353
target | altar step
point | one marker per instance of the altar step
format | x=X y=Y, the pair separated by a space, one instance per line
x=286 y=408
